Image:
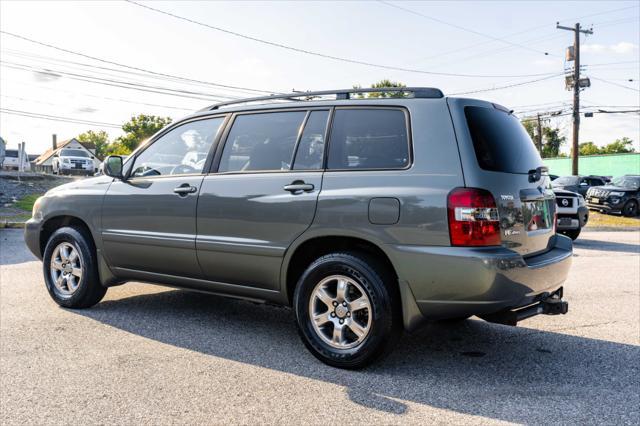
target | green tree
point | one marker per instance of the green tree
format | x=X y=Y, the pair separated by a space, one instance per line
x=552 y=141
x=138 y=129
x=99 y=139
x=588 y=148
x=381 y=84
x=619 y=146
x=530 y=127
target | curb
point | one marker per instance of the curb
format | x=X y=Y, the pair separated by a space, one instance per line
x=11 y=225
x=611 y=228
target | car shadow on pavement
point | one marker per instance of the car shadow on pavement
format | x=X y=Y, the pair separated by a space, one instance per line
x=512 y=374
x=601 y=245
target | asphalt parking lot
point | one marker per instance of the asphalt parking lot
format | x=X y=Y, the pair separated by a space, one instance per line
x=153 y=355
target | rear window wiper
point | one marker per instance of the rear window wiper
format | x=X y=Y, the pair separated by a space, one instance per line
x=536 y=174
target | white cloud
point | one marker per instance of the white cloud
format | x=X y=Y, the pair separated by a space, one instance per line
x=624 y=47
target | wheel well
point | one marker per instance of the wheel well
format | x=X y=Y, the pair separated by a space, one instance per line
x=317 y=247
x=55 y=223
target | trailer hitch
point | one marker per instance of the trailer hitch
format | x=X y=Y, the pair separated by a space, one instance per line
x=548 y=305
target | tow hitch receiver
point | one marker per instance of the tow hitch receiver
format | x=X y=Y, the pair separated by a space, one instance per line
x=550 y=305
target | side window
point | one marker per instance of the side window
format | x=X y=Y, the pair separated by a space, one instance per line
x=182 y=150
x=368 y=139
x=311 y=147
x=261 y=142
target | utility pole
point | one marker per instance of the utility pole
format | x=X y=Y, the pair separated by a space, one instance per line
x=539 y=138
x=576 y=91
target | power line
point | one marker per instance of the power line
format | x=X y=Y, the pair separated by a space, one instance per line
x=323 y=55
x=129 y=66
x=118 y=83
x=415 y=12
x=611 y=63
x=616 y=84
x=489 y=89
x=530 y=29
x=58 y=61
x=56 y=118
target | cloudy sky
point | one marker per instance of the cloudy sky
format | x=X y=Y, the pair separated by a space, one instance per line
x=95 y=64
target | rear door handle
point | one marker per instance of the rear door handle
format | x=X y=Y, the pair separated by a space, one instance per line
x=185 y=189
x=299 y=186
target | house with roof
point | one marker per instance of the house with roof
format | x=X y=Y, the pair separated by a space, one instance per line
x=43 y=163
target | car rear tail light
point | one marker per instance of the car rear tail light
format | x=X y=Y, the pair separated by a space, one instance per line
x=473 y=218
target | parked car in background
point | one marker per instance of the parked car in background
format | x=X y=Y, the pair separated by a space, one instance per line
x=573 y=213
x=622 y=195
x=579 y=184
x=12 y=160
x=73 y=161
x=367 y=216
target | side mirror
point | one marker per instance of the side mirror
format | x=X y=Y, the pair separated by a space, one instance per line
x=113 y=166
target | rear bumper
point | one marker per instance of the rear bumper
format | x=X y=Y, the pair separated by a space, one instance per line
x=450 y=282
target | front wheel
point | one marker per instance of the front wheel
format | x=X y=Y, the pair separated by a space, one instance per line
x=572 y=233
x=347 y=310
x=70 y=269
x=630 y=209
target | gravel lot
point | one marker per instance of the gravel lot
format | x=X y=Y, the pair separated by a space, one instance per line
x=153 y=355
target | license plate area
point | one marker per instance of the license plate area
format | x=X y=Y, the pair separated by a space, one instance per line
x=595 y=200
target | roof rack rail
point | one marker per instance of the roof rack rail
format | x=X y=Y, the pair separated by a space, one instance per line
x=342 y=94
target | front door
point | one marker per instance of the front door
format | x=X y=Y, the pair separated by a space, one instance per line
x=262 y=197
x=149 y=219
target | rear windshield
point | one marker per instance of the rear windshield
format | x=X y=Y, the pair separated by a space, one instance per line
x=73 y=153
x=500 y=141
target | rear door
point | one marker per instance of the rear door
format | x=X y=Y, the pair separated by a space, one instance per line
x=498 y=155
x=261 y=196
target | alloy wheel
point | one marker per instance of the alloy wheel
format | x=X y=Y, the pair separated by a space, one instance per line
x=340 y=312
x=66 y=268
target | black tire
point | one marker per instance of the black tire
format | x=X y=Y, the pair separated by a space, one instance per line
x=89 y=290
x=572 y=233
x=386 y=319
x=630 y=209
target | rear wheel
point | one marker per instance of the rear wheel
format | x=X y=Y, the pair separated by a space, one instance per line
x=347 y=310
x=70 y=269
x=572 y=233
x=630 y=209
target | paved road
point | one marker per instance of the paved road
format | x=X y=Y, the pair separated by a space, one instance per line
x=152 y=355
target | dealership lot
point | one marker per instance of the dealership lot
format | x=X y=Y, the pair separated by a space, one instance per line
x=154 y=355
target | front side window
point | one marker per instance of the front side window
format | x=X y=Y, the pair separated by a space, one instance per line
x=259 y=142
x=183 y=150
x=369 y=139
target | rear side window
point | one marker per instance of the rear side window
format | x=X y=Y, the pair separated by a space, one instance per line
x=311 y=146
x=500 y=141
x=369 y=139
x=259 y=142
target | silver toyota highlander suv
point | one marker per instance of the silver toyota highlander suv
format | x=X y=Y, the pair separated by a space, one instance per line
x=366 y=215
